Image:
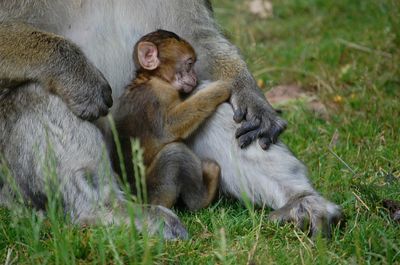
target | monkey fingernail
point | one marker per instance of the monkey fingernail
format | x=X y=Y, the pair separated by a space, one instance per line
x=248 y=138
x=107 y=95
x=243 y=145
x=264 y=143
x=239 y=115
x=244 y=141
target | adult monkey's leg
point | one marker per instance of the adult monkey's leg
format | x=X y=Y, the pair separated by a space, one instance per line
x=220 y=60
x=50 y=151
x=275 y=177
x=28 y=54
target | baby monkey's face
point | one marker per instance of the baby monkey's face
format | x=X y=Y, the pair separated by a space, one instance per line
x=185 y=79
x=171 y=59
x=177 y=61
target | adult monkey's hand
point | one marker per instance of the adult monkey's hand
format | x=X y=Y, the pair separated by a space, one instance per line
x=220 y=60
x=258 y=118
x=28 y=54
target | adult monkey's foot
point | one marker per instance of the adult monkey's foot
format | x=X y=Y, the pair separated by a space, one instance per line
x=158 y=219
x=309 y=212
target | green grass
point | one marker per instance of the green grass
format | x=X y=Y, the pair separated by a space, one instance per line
x=333 y=48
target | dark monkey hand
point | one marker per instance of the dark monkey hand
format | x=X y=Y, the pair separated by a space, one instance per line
x=29 y=54
x=258 y=118
x=79 y=83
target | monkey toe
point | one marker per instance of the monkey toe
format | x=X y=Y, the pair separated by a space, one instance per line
x=167 y=223
x=211 y=168
x=310 y=213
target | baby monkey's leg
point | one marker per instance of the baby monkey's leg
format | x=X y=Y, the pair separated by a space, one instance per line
x=178 y=172
x=199 y=181
x=162 y=177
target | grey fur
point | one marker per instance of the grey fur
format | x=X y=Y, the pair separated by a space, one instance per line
x=105 y=31
x=28 y=54
x=275 y=178
x=38 y=132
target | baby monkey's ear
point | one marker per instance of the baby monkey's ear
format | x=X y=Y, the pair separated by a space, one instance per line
x=148 y=55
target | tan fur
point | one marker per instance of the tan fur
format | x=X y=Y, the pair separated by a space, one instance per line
x=186 y=116
x=211 y=171
x=179 y=119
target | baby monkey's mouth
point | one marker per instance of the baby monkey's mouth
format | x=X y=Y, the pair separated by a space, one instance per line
x=188 y=87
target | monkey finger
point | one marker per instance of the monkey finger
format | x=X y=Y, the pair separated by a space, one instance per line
x=107 y=95
x=239 y=115
x=248 y=126
x=275 y=130
x=247 y=139
x=264 y=142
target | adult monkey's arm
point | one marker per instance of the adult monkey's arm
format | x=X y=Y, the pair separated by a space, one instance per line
x=31 y=55
x=220 y=60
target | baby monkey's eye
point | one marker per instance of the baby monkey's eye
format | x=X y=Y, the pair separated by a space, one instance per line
x=189 y=65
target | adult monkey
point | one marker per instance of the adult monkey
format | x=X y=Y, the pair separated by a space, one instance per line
x=100 y=33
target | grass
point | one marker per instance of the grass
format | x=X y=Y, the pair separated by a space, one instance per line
x=347 y=50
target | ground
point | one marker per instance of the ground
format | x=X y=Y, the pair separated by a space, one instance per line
x=346 y=54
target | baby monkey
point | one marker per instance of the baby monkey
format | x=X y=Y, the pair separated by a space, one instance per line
x=157 y=109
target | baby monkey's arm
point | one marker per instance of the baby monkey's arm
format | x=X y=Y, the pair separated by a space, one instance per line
x=186 y=117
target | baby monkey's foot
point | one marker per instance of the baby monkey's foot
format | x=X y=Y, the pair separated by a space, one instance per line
x=211 y=178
